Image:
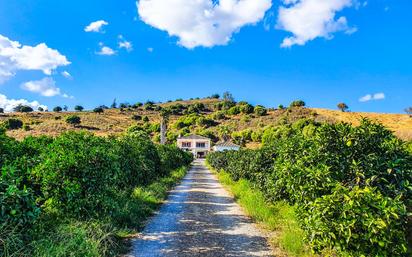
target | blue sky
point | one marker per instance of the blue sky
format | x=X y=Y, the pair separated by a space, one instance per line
x=266 y=52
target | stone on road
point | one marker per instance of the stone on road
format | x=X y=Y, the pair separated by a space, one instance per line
x=200 y=219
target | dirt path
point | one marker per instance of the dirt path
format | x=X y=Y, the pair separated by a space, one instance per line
x=200 y=219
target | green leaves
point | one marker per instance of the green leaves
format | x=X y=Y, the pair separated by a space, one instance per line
x=351 y=185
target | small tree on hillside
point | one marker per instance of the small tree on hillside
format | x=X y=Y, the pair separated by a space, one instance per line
x=78 y=108
x=409 y=111
x=215 y=96
x=65 y=108
x=297 y=103
x=73 y=120
x=22 y=108
x=114 y=104
x=57 y=109
x=260 y=110
x=228 y=97
x=40 y=109
x=343 y=107
x=1 y=110
x=98 y=110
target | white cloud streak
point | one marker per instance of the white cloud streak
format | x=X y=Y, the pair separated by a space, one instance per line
x=372 y=97
x=9 y=104
x=96 y=26
x=203 y=23
x=45 y=87
x=14 y=57
x=311 y=19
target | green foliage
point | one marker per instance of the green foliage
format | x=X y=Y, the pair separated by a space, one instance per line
x=57 y=109
x=351 y=184
x=235 y=110
x=48 y=183
x=1 y=110
x=98 y=110
x=297 y=103
x=73 y=120
x=79 y=108
x=260 y=110
x=245 y=108
x=12 y=123
x=343 y=107
x=22 y=108
x=137 y=117
x=359 y=221
x=242 y=137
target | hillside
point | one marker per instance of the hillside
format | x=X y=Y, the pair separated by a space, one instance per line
x=214 y=122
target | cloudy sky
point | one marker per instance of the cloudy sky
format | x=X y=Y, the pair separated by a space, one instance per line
x=265 y=51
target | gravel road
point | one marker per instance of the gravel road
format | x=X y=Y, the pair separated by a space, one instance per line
x=200 y=219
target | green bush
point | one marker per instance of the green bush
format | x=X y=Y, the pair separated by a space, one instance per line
x=13 y=124
x=358 y=221
x=297 y=103
x=235 y=110
x=334 y=174
x=77 y=174
x=260 y=110
x=73 y=120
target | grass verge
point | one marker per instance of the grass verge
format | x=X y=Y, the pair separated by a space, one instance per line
x=279 y=218
x=107 y=236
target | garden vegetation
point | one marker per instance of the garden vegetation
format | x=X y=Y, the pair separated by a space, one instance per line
x=350 y=187
x=77 y=194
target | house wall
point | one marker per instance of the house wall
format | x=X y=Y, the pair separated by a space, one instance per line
x=193 y=149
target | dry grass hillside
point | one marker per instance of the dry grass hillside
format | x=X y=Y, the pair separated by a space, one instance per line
x=116 y=121
x=400 y=124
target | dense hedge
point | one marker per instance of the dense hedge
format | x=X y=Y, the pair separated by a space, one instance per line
x=75 y=175
x=351 y=185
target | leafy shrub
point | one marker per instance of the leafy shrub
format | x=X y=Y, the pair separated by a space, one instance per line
x=260 y=110
x=245 y=108
x=360 y=221
x=98 y=110
x=18 y=207
x=73 y=120
x=340 y=177
x=1 y=110
x=79 y=108
x=297 y=103
x=77 y=174
x=22 y=108
x=57 y=109
x=235 y=110
x=13 y=124
x=136 y=117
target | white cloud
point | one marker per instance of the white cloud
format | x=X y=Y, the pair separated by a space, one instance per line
x=150 y=49
x=14 y=57
x=372 y=97
x=9 y=104
x=67 y=75
x=310 y=19
x=202 y=22
x=45 y=87
x=105 y=50
x=125 y=44
x=96 y=26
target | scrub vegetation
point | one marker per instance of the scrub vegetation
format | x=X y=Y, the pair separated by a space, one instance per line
x=78 y=194
x=349 y=187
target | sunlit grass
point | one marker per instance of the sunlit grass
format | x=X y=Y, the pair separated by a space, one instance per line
x=279 y=217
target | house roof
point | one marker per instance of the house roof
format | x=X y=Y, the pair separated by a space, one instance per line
x=194 y=137
x=227 y=144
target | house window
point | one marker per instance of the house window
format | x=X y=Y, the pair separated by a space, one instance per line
x=200 y=145
x=186 y=144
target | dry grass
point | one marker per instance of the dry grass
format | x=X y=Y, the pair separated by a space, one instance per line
x=113 y=122
x=400 y=124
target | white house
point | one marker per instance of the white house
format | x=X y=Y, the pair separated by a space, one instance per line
x=199 y=146
x=226 y=146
